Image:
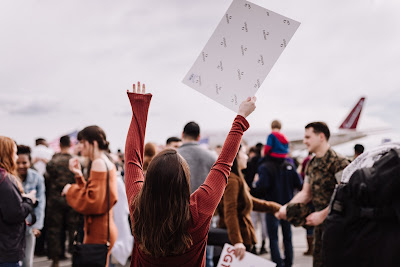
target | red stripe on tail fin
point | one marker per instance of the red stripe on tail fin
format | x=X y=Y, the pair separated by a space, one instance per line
x=352 y=119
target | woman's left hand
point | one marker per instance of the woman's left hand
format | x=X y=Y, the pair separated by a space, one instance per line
x=36 y=232
x=139 y=89
x=240 y=251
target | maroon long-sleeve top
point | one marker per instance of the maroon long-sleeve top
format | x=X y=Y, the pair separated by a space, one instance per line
x=203 y=201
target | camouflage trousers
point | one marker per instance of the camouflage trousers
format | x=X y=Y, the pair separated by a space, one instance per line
x=60 y=219
x=317 y=253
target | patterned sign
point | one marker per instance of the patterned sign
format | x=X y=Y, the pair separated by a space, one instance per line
x=240 y=53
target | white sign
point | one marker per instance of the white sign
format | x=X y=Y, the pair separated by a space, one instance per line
x=228 y=259
x=240 y=53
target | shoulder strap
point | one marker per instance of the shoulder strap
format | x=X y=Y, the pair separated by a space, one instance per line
x=108 y=204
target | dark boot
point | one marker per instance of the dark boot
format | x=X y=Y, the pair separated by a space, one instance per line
x=262 y=249
x=55 y=263
x=253 y=250
x=310 y=240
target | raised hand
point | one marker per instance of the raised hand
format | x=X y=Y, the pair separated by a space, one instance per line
x=247 y=106
x=138 y=89
x=75 y=166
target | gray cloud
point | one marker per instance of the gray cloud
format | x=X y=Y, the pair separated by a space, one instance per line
x=84 y=55
x=20 y=103
x=33 y=109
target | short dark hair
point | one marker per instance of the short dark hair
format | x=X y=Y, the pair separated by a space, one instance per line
x=320 y=127
x=24 y=150
x=40 y=141
x=256 y=150
x=65 y=141
x=94 y=133
x=259 y=146
x=192 y=130
x=173 y=139
x=359 y=149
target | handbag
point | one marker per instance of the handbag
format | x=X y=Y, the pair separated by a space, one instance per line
x=93 y=255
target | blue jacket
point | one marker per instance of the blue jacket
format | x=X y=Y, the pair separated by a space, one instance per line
x=35 y=181
x=277 y=180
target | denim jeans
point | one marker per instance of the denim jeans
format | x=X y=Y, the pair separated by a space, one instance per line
x=29 y=249
x=272 y=227
x=9 y=264
x=209 y=256
x=310 y=231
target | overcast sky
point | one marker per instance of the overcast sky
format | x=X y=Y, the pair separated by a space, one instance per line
x=67 y=64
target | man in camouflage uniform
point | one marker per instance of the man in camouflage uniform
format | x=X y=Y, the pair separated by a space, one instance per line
x=322 y=174
x=60 y=217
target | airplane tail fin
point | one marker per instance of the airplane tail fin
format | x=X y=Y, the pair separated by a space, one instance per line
x=352 y=119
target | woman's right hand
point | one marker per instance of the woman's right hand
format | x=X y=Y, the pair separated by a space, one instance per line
x=75 y=166
x=240 y=251
x=247 y=106
x=281 y=214
x=138 y=89
x=31 y=195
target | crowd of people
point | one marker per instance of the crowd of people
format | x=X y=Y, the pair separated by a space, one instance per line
x=160 y=206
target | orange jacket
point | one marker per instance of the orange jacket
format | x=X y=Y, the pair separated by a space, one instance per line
x=90 y=199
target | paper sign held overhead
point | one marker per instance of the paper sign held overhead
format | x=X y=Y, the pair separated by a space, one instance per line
x=241 y=52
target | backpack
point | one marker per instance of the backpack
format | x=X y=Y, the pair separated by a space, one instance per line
x=281 y=181
x=363 y=224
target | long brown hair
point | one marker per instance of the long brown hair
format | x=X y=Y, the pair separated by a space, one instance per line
x=235 y=167
x=7 y=162
x=162 y=214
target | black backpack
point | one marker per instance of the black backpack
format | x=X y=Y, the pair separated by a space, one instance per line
x=363 y=225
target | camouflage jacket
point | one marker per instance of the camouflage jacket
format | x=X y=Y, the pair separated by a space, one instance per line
x=321 y=175
x=57 y=176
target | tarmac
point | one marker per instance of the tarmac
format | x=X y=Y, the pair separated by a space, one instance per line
x=298 y=239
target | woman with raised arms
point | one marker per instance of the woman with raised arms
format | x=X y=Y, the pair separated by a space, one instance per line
x=170 y=225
